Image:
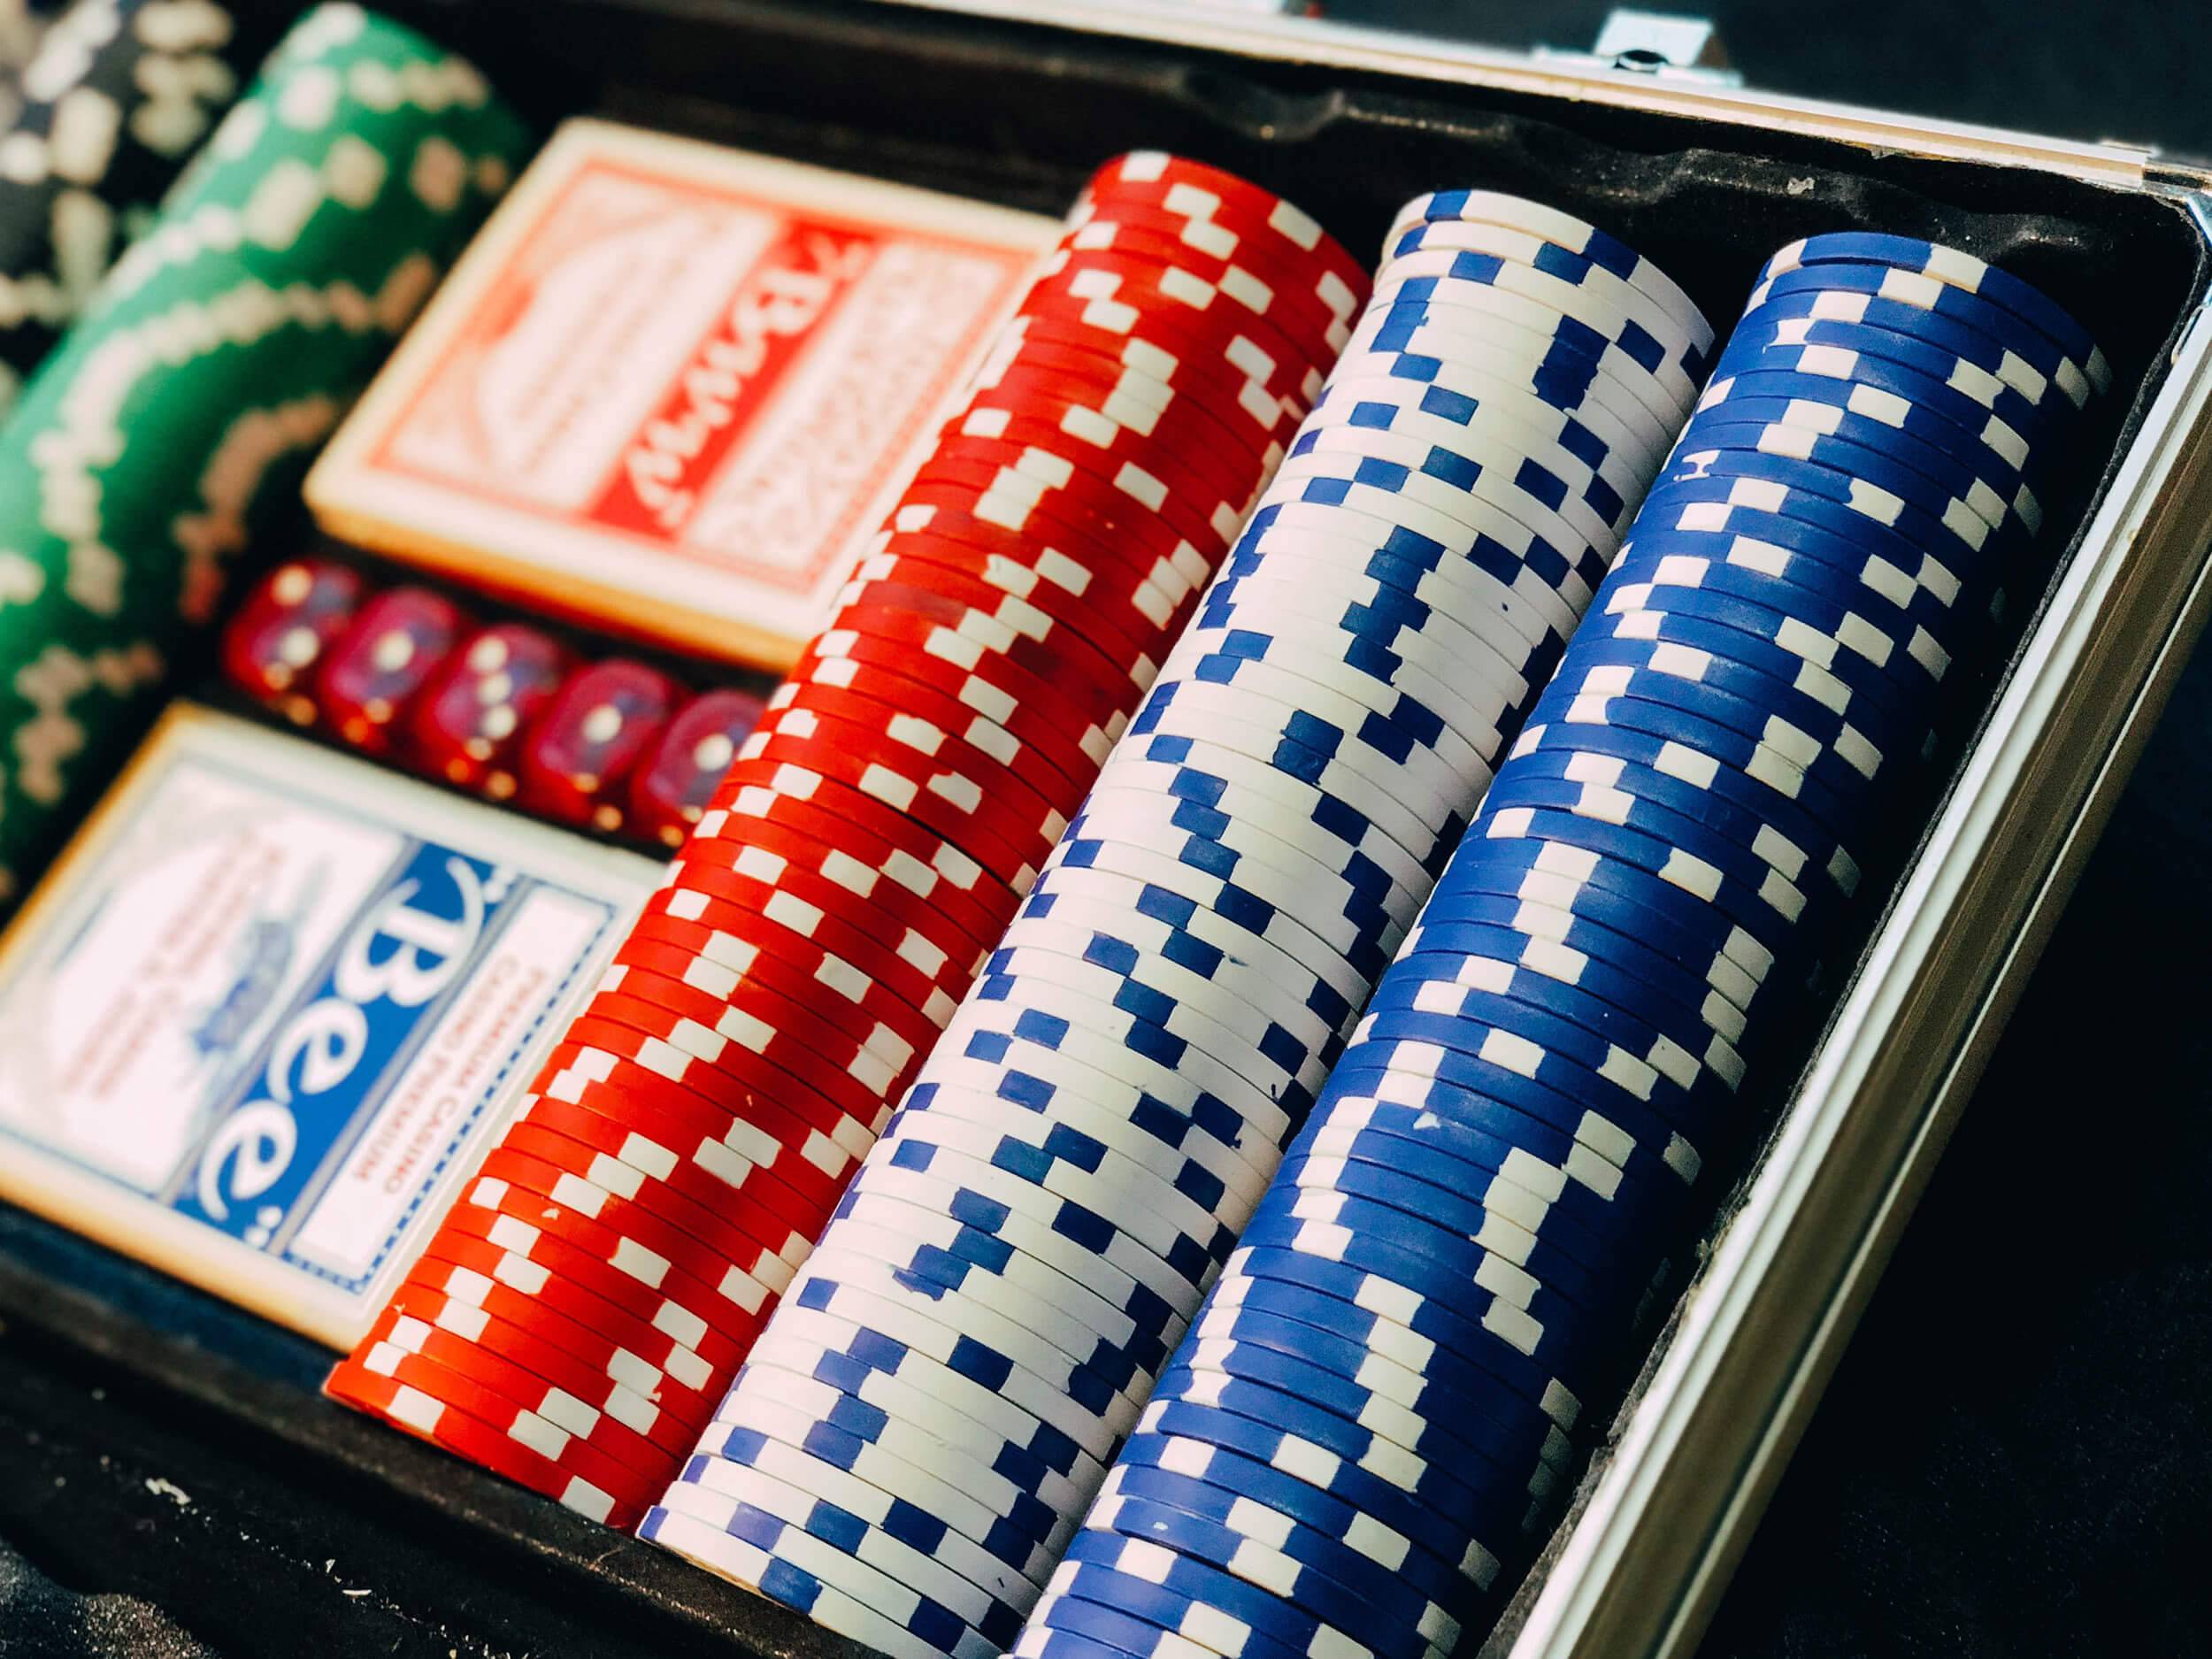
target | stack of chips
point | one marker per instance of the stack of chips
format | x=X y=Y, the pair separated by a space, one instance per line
x=687 y=1140
x=921 y=1427
x=1377 y=1408
x=116 y=99
x=217 y=355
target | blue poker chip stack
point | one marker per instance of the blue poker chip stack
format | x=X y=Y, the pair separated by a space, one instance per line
x=1376 y=1408
x=937 y=1401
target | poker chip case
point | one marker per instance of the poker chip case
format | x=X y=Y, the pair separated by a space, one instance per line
x=1018 y=110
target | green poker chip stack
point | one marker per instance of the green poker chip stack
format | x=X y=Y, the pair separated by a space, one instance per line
x=180 y=412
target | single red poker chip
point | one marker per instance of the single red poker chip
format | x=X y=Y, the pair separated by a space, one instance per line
x=578 y=1250
x=1203 y=307
x=1288 y=292
x=713 y=1173
x=941 y=594
x=1010 y=849
x=522 y=1390
x=837 y=817
x=977 y=642
x=1104 y=298
x=906 y=741
x=1254 y=424
x=688 y=1273
x=877 y=1020
x=1178 y=185
x=757 y=1123
x=1075 y=503
x=914 y=953
x=1097 y=420
x=756 y=1244
x=618 y=1030
x=922 y=959
x=821 y=1073
x=525 y=1291
x=936 y=696
x=1177 y=573
x=1259 y=401
x=454 y=1430
x=552 y=1347
x=1138 y=593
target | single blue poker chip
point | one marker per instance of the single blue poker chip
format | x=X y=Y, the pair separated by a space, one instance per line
x=1467 y=1158
x=1234 y=782
x=1303 y=1003
x=1566 y=446
x=1083 y=1590
x=1779 y=643
x=1177 y=1215
x=1390 y=716
x=1929 y=443
x=1174 y=1265
x=1961 y=270
x=1783 y=834
x=1036 y=1379
x=1300 y=606
x=1466 y=1491
x=1830 y=547
x=1441 y=1418
x=1372 y=1171
x=1394 y=492
x=869 y=1523
x=1448 y=368
x=1058 y=1227
x=1374 y=619
x=1206 y=1584
x=1321 y=1536
x=1123 y=1332
x=1618 y=1003
x=1535 y=482
x=1953 y=317
x=1959 y=423
x=1884 y=457
x=1398 y=1014
x=1438 y=1558
x=1300 y=744
x=1408 y=1055
x=1698 y=560
x=845 y=1596
x=1514 y=592
x=1627 y=898
x=1468 y=1352
x=1099 y=898
x=1759 y=333
x=1552 y=240
x=1742 y=887
x=1751 y=702
x=1431 y=1301
x=1603 y=954
x=1011 y=1320
x=1955 y=529
x=945 y=1480
x=1208 y=1013
x=1070 y=1626
x=1466 y=320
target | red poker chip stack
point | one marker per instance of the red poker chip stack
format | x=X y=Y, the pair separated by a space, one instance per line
x=578 y=1315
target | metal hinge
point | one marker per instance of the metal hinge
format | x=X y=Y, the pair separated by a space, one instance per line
x=1669 y=46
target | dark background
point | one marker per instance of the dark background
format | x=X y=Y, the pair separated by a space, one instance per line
x=2016 y=1456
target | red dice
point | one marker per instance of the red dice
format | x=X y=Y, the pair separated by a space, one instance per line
x=283 y=627
x=373 y=675
x=680 y=777
x=473 y=717
x=599 y=727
